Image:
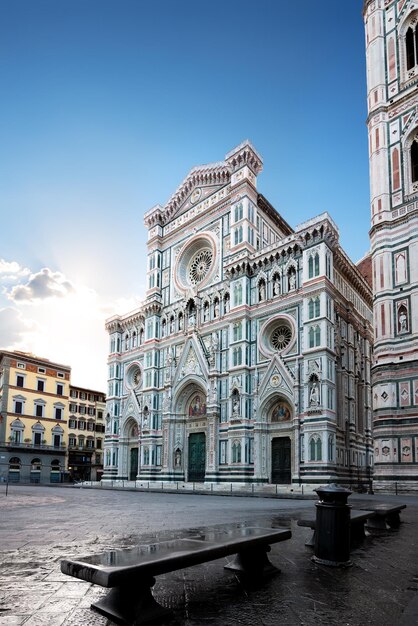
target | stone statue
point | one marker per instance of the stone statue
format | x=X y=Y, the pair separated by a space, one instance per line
x=262 y=291
x=276 y=286
x=403 y=321
x=314 y=395
x=177 y=458
x=235 y=406
x=292 y=281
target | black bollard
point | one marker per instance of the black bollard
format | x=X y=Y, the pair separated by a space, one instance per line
x=332 y=537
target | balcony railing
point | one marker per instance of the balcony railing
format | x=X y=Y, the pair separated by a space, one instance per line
x=33 y=446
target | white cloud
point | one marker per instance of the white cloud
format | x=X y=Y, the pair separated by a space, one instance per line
x=14 y=328
x=12 y=271
x=40 y=286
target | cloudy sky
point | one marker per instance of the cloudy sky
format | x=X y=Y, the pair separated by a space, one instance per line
x=107 y=104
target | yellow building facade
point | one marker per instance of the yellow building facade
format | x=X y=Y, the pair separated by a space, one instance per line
x=34 y=409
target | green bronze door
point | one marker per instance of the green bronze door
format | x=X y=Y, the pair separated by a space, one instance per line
x=197 y=460
x=280 y=461
x=133 y=468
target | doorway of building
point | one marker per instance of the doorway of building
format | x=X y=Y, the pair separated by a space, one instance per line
x=280 y=461
x=197 y=457
x=133 y=467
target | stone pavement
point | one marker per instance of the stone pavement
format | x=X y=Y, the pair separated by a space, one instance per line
x=41 y=525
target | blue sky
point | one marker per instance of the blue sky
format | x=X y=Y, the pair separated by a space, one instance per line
x=106 y=106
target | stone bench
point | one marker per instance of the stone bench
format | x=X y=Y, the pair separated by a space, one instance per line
x=385 y=516
x=131 y=573
x=357 y=522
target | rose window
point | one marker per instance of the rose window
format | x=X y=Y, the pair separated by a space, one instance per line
x=277 y=335
x=196 y=262
x=200 y=266
x=280 y=337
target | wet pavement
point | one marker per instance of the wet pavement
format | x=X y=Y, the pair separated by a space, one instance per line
x=39 y=526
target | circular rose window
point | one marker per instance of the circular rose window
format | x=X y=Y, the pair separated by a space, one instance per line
x=200 y=266
x=195 y=262
x=277 y=335
x=133 y=376
x=280 y=337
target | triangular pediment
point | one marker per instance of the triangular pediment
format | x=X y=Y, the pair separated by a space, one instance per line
x=201 y=183
x=277 y=378
x=132 y=407
x=192 y=361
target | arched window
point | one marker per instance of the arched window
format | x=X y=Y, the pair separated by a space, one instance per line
x=236 y=452
x=331 y=448
x=313 y=265
x=134 y=338
x=315 y=448
x=126 y=341
x=226 y=303
x=180 y=321
x=411 y=43
x=414 y=160
x=141 y=336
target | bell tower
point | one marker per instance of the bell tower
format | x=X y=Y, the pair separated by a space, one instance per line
x=392 y=95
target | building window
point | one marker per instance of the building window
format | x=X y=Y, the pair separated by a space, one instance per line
x=20 y=381
x=237 y=331
x=72 y=423
x=40 y=385
x=39 y=410
x=314 y=307
x=58 y=413
x=315 y=448
x=99 y=444
x=238 y=235
x=72 y=441
x=237 y=356
x=236 y=452
x=238 y=294
x=411 y=43
x=60 y=389
x=238 y=213
x=18 y=407
x=313 y=265
x=314 y=336
x=81 y=425
x=414 y=160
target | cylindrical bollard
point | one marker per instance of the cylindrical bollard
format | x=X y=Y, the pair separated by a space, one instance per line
x=332 y=536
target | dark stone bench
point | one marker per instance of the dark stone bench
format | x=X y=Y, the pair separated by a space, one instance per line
x=130 y=573
x=357 y=522
x=385 y=516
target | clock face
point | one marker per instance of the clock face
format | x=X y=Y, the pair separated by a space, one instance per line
x=195 y=195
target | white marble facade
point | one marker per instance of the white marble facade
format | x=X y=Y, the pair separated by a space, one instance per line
x=249 y=360
x=392 y=80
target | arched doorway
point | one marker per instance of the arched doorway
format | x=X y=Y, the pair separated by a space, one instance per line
x=196 y=411
x=279 y=419
x=197 y=457
x=133 y=450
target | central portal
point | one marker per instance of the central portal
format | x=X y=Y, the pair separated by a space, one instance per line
x=280 y=461
x=197 y=457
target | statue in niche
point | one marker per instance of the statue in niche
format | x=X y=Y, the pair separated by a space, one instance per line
x=205 y=313
x=276 y=285
x=216 y=308
x=314 y=394
x=214 y=342
x=292 y=280
x=235 y=406
x=226 y=304
x=402 y=320
x=146 y=417
x=261 y=291
x=180 y=322
x=177 y=458
x=172 y=325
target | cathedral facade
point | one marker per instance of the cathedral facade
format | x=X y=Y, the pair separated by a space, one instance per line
x=392 y=81
x=249 y=360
